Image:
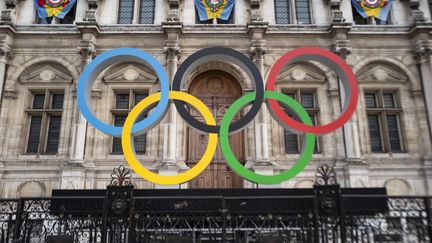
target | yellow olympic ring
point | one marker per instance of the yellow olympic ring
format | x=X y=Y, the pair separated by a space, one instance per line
x=127 y=140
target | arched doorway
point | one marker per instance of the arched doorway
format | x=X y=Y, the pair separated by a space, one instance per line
x=218 y=90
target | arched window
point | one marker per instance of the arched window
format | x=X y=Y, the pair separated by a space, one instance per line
x=292 y=12
x=136 y=12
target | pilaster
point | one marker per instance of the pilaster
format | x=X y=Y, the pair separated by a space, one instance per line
x=74 y=172
x=169 y=164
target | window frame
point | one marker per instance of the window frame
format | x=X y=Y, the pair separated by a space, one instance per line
x=136 y=17
x=314 y=111
x=121 y=111
x=46 y=112
x=382 y=112
x=292 y=9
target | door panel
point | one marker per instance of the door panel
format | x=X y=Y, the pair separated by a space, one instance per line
x=218 y=90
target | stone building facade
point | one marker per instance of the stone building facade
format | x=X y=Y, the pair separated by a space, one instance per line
x=46 y=144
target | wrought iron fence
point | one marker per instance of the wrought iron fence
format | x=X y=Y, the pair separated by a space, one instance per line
x=325 y=214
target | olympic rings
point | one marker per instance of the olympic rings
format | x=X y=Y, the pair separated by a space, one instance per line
x=130 y=129
x=219 y=54
x=342 y=70
x=236 y=166
x=129 y=151
x=107 y=59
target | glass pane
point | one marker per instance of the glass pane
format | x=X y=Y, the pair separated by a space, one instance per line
x=38 y=101
x=139 y=97
x=393 y=130
x=147 y=8
x=307 y=100
x=116 y=147
x=282 y=11
x=375 y=133
x=370 y=100
x=389 y=101
x=57 y=101
x=126 y=11
x=34 y=134
x=140 y=144
x=122 y=101
x=303 y=12
x=291 y=142
x=53 y=134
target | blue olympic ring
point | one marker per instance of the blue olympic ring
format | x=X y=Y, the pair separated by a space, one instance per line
x=103 y=61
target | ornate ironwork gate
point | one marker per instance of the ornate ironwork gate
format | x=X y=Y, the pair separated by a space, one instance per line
x=120 y=214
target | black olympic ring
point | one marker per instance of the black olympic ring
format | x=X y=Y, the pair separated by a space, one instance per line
x=219 y=54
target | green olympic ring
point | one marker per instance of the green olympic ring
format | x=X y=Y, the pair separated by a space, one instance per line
x=307 y=148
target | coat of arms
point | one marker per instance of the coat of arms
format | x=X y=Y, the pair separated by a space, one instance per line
x=214 y=4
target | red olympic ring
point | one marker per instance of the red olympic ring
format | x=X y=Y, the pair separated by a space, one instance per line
x=351 y=81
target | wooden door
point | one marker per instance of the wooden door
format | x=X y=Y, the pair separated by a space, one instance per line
x=218 y=90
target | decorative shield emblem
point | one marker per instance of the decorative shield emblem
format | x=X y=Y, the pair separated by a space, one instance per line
x=373 y=3
x=55 y=3
x=214 y=4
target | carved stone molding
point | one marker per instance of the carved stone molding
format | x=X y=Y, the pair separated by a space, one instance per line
x=90 y=15
x=172 y=51
x=255 y=11
x=87 y=53
x=6 y=15
x=423 y=50
x=416 y=14
x=336 y=13
x=173 y=11
x=342 y=48
x=257 y=51
x=5 y=53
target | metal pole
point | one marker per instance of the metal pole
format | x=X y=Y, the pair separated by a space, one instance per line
x=18 y=221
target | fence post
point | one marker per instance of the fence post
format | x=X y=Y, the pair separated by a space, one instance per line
x=18 y=221
x=327 y=202
x=316 y=217
x=429 y=216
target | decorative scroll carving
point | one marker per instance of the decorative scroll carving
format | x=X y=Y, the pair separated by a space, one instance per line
x=121 y=176
x=342 y=48
x=423 y=50
x=6 y=15
x=325 y=176
x=91 y=12
x=5 y=53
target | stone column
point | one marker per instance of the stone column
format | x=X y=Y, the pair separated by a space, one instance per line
x=74 y=173
x=262 y=164
x=169 y=164
x=351 y=136
x=5 y=54
x=424 y=56
x=80 y=123
x=170 y=128
x=355 y=170
x=261 y=134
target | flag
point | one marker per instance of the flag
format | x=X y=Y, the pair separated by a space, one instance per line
x=49 y=8
x=373 y=8
x=211 y=9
